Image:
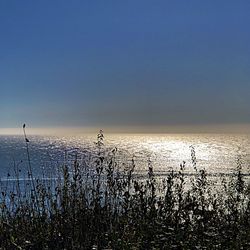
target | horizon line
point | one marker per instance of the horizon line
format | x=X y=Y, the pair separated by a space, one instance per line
x=188 y=128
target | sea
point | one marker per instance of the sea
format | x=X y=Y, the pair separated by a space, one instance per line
x=218 y=154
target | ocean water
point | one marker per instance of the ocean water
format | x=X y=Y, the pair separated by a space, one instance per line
x=217 y=153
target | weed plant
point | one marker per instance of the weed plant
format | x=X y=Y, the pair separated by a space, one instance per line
x=99 y=204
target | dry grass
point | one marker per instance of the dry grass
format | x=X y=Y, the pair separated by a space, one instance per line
x=100 y=205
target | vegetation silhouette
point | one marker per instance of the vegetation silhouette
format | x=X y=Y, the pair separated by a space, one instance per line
x=98 y=204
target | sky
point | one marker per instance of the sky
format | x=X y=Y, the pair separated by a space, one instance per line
x=124 y=64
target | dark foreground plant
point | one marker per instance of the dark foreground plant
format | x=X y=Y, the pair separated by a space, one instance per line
x=98 y=204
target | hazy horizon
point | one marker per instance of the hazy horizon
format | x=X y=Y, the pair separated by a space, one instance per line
x=182 y=129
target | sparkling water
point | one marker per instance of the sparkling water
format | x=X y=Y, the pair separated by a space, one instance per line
x=217 y=153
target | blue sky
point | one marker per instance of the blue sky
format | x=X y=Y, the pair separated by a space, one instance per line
x=124 y=63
